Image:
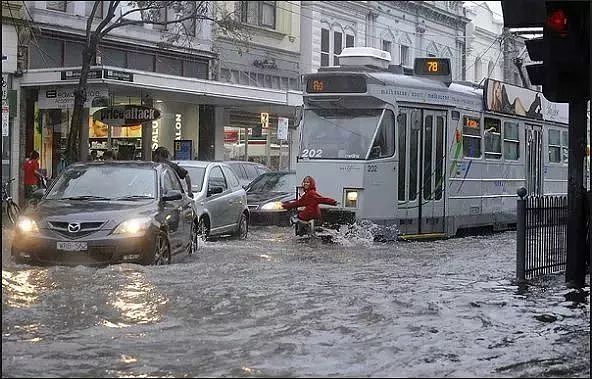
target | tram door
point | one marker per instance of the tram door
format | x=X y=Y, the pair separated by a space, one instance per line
x=421 y=171
x=534 y=159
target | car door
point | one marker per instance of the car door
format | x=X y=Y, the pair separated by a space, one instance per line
x=218 y=203
x=173 y=209
x=236 y=194
x=186 y=211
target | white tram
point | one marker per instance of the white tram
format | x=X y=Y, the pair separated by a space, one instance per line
x=416 y=150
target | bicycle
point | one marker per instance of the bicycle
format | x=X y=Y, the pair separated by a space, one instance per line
x=12 y=208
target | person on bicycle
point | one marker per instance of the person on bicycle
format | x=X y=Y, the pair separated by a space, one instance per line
x=32 y=174
x=310 y=200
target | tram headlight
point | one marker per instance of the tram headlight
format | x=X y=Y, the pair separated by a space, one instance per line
x=351 y=198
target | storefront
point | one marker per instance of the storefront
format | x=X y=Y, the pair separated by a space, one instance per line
x=194 y=117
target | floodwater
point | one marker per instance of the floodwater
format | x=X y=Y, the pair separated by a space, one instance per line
x=277 y=306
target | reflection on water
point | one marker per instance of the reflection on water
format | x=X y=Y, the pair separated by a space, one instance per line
x=274 y=305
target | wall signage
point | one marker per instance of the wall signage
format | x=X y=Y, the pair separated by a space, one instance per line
x=118 y=75
x=75 y=74
x=126 y=115
x=63 y=97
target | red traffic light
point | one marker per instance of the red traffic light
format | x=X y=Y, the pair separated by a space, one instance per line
x=557 y=21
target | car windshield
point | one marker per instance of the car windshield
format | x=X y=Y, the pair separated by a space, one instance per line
x=197 y=177
x=273 y=182
x=104 y=183
x=338 y=133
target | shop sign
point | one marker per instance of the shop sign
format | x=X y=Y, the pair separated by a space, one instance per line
x=126 y=115
x=75 y=74
x=265 y=120
x=178 y=126
x=282 y=130
x=63 y=97
x=118 y=75
x=183 y=149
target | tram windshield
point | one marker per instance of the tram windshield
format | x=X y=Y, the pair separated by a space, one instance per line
x=338 y=133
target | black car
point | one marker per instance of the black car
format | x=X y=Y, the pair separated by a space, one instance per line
x=105 y=212
x=266 y=194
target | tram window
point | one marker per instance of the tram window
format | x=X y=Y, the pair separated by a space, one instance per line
x=427 y=158
x=402 y=129
x=439 y=157
x=384 y=144
x=564 y=144
x=511 y=141
x=493 y=136
x=471 y=137
x=554 y=146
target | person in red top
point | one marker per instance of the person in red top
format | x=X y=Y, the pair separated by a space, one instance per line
x=310 y=201
x=32 y=174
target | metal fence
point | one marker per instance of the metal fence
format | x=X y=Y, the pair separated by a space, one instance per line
x=541 y=235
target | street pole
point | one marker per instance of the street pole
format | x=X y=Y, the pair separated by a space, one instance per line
x=575 y=272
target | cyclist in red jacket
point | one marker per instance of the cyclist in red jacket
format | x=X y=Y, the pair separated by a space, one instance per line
x=310 y=201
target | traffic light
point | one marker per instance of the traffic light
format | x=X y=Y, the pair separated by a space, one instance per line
x=564 y=50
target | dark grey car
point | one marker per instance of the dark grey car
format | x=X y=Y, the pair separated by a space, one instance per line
x=106 y=212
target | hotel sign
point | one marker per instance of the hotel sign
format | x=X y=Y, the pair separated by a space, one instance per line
x=126 y=115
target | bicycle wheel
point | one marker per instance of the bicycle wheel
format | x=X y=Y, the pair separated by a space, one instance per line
x=12 y=210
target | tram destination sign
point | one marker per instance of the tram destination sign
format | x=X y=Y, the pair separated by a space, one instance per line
x=336 y=84
x=126 y=115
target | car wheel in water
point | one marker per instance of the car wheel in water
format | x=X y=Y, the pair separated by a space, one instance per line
x=162 y=250
x=242 y=227
x=203 y=230
x=194 y=245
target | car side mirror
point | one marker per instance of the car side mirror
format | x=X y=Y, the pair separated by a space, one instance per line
x=213 y=190
x=172 y=195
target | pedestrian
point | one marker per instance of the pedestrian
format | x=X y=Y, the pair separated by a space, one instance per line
x=161 y=154
x=310 y=200
x=108 y=155
x=93 y=155
x=32 y=174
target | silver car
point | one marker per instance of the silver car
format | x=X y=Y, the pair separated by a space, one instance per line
x=221 y=202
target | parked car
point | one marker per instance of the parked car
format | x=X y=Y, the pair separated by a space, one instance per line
x=265 y=195
x=105 y=212
x=247 y=171
x=221 y=202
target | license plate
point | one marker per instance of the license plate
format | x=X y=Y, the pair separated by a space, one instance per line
x=72 y=246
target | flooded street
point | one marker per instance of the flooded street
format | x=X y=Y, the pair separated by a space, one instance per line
x=277 y=306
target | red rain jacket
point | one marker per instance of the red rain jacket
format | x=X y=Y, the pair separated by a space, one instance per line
x=310 y=201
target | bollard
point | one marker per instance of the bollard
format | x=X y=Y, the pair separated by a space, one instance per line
x=521 y=234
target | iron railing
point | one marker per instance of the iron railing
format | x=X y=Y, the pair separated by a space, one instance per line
x=541 y=235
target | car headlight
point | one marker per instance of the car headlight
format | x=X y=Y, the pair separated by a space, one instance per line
x=273 y=206
x=26 y=225
x=351 y=198
x=133 y=226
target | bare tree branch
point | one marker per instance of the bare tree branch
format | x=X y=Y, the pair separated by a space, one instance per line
x=90 y=21
x=110 y=14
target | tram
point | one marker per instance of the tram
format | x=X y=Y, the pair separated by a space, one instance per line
x=413 y=149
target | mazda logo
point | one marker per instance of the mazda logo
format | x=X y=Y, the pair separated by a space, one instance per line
x=73 y=227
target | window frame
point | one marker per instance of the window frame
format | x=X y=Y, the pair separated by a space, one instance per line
x=326 y=50
x=507 y=140
x=554 y=146
x=492 y=155
x=244 y=13
x=480 y=136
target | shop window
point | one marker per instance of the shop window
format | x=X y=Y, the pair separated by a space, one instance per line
x=554 y=146
x=73 y=54
x=259 y=13
x=511 y=141
x=46 y=53
x=471 y=137
x=337 y=43
x=324 y=47
x=493 y=133
x=113 y=57
x=140 y=61
x=169 y=66
x=386 y=45
x=404 y=55
x=349 y=40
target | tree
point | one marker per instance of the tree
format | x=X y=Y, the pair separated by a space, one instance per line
x=187 y=14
